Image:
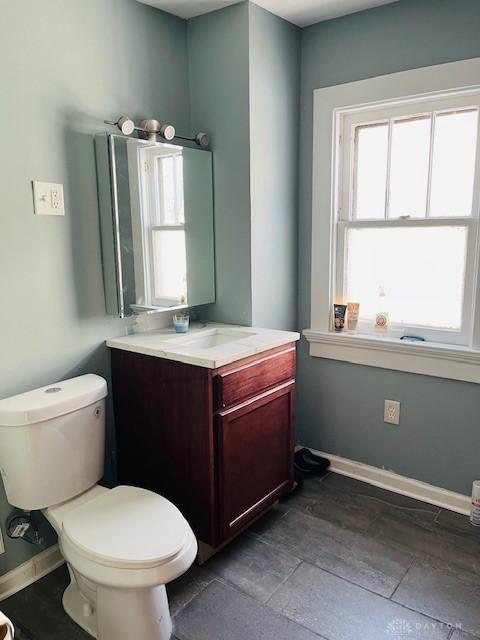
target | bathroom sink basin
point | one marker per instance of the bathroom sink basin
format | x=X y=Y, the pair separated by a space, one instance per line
x=212 y=338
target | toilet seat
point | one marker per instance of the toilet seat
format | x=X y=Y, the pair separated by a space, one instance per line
x=126 y=528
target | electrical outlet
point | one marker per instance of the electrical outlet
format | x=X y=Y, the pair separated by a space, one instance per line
x=48 y=199
x=55 y=199
x=391 y=412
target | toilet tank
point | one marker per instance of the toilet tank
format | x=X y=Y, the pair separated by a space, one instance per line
x=52 y=441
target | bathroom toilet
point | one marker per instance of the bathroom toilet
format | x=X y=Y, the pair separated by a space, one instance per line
x=121 y=545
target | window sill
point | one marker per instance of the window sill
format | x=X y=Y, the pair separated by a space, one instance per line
x=425 y=358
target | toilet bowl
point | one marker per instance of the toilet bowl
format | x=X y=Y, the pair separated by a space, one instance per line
x=121 y=545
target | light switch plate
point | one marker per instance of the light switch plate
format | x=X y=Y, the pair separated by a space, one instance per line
x=48 y=199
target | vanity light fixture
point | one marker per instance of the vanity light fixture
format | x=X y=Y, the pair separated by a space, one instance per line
x=201 y=139
x=125 y=124
x=153 y=128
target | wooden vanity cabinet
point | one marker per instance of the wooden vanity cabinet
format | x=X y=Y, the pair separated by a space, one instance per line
x=218 y=443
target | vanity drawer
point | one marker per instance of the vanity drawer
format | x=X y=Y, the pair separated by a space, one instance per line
x=235 y=384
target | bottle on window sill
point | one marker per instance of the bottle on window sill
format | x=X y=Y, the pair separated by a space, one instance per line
x=339 y=311
x=381 y=321
x=381 y=317
x=353 y=309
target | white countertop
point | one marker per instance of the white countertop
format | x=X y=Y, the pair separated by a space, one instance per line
x=165 y=343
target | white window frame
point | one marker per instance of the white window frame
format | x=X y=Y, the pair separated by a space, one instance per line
x=331 y=105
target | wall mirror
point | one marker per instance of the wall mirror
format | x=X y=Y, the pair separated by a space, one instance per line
x=156 y=221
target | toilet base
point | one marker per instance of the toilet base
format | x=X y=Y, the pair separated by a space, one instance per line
x=120 y=614
x=79 y=609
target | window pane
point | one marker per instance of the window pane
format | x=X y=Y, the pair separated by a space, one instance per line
x=409 y=167
x=420 y=271
x=453 y=164
x=170 y=190
x=180 y=208
x=370 y=171
x=169 y=265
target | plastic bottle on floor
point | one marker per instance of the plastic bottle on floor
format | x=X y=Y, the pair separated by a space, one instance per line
x=475 y=510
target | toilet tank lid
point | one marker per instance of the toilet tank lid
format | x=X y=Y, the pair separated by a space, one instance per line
x=52 y=401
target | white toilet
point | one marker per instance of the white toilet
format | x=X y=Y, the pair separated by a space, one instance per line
x=121 y=545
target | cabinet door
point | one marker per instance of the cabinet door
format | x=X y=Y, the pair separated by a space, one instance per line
x=255 y=456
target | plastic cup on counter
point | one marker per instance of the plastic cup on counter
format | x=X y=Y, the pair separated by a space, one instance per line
x=181 y=323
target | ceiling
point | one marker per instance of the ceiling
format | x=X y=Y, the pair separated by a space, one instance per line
x=300 y=12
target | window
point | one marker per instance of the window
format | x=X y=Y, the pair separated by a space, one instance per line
x=407 y=216
x=395 y=182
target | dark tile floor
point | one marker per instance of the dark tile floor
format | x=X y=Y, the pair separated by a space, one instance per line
x=339 y=560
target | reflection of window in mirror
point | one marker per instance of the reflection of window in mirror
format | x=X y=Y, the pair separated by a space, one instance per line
x=169 y=181
x=169 y=265
x=161 y=273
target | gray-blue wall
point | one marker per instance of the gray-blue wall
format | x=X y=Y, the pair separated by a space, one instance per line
x=340 y=405
x=65 y=67
x=274 y=120
x=244 y=82
x=219 y=88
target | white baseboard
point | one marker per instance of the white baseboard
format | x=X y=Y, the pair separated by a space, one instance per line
x=398 y=484
x=30 y=571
